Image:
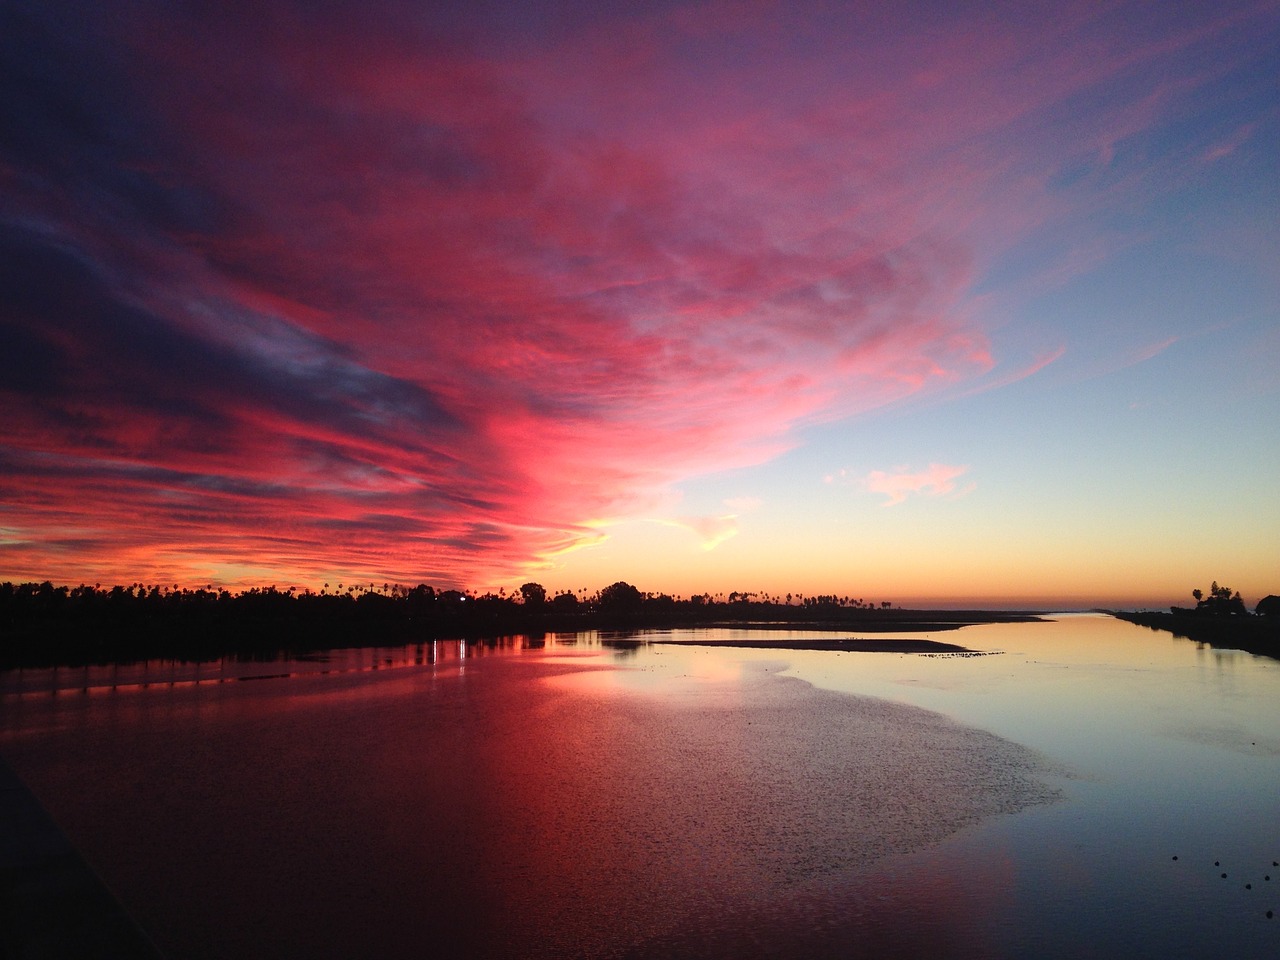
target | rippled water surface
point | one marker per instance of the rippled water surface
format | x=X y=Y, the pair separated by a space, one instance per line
x=573 y=797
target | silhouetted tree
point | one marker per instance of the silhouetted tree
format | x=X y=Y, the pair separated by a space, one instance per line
x=534 y=594
x=619 y=596
x=1219 y=602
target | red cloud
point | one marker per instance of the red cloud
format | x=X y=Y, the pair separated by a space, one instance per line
x=422 y=301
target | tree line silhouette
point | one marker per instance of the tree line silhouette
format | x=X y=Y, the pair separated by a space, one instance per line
x=41 y=623
x=1220 y=619
x=1219 y=603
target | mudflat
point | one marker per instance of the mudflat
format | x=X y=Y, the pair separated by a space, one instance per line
x=843 y=644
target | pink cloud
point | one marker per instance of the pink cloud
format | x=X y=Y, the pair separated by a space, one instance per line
x=938 y=479
x=1022 y=373
x=427 y=302
x=711 y=531
x=1154 y=349
x=1225 y=148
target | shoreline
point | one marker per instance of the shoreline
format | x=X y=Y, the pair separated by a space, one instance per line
x=1253 y=634
x=190 y=631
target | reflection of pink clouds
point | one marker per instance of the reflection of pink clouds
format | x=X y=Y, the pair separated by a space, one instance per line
x=935 y=480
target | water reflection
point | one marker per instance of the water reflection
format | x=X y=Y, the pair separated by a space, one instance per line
x=562 y=795
x=283 y=665
x=168 y=674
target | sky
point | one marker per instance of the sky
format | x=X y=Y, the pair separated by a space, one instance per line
x=949 y=303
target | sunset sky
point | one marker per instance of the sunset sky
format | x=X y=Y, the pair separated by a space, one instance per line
x=929 y=303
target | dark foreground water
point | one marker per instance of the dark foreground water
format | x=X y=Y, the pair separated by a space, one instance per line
x=572 y=798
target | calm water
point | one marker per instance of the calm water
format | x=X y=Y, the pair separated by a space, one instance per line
x=572 y=798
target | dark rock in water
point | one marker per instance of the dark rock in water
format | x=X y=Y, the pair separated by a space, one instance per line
x=1248 y=886
x=1175 y=856
x=1224 y=876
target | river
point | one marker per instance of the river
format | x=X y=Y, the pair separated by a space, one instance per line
x=1079 y=789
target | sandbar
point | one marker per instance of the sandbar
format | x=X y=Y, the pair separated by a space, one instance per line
x=842 y=644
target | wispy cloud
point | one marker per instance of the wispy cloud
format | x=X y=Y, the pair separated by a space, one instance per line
x=711 y=531
x=1154 y=349
x=938 y=479
x=740 y=505
x=1228 y=146
x=1022 y=373
x=715 y=530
